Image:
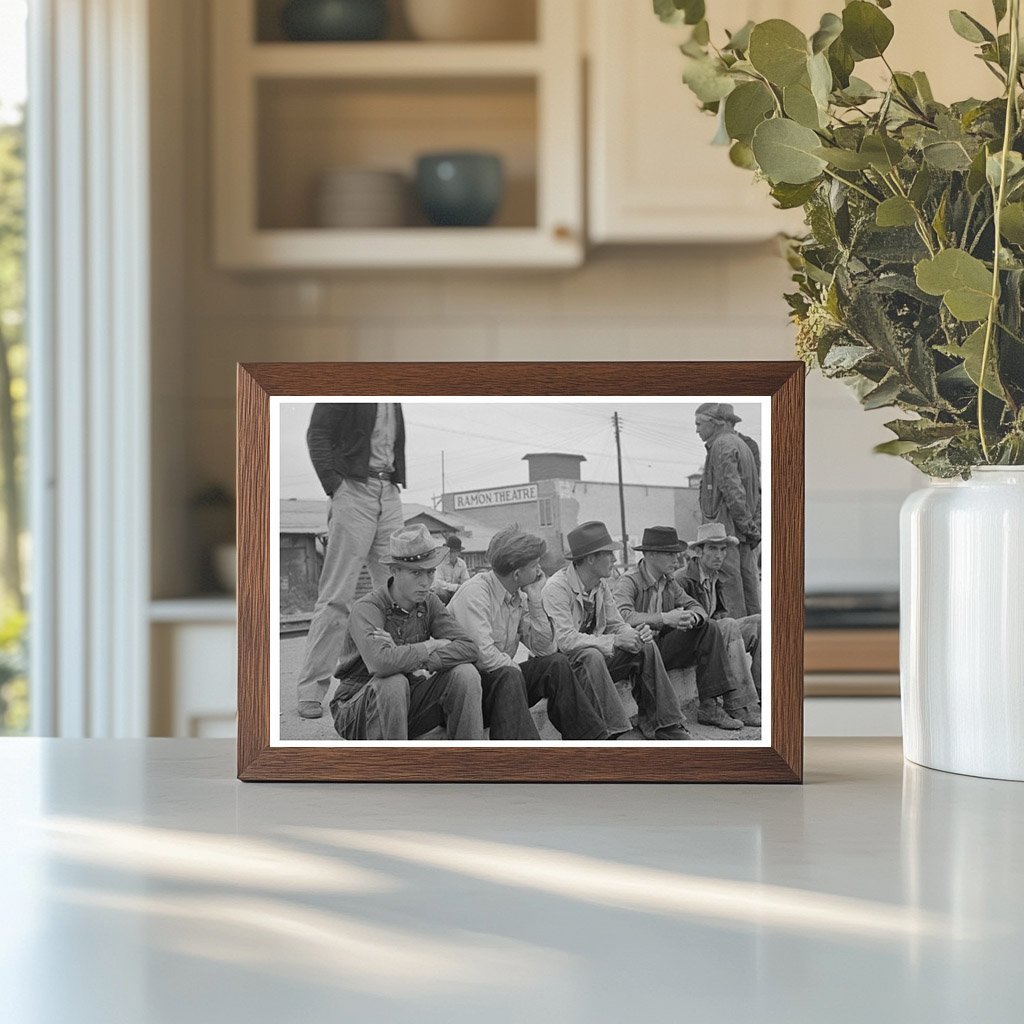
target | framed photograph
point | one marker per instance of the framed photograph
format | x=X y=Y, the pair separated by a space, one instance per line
x=520 y=572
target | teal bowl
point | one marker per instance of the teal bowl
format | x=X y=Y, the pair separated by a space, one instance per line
x=333 y=21
x=462 y=190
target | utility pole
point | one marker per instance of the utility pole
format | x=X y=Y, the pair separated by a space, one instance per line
x=442 y=478
x=622 y=493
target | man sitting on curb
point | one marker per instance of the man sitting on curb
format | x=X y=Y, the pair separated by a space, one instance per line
x=701 y=580
x=591 y=632
x=406 y=666
x=451 y=573
x=647 y=595
x=502 y=607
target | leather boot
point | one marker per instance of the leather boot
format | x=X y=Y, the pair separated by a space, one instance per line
x=709 y=712
x=750 y=715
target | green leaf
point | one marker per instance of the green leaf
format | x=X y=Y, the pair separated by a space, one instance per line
x=946 y=156
x=707 y=80
x=885 y=394
x=939 y=220
x=999 y=7
x=1011 y=225
x=745 y=108
x=968 y=28
x=789 y=197
x=883 y=153
x=859 y=91
x=971 y=352
x=785 y=152
x=742 y=155
x=778 y=50
x=866 y=29
x=923 y=431
x=800 y=105
x=841 y=60
x=963 y=281
x=895 y=447
x=896 y=212
x=921 y=185
x=994 y=167
x=739 y=41
x=820 y=75
x=701 y=33
x=924 y=88
x=679 y=12
x=844 y=159
x=976 y=175
x=830 y=28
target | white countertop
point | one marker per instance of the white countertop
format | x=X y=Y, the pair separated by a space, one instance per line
x=143 y=884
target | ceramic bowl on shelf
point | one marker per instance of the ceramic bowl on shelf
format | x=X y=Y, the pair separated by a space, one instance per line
x=334 y=20
x=361 y=198
x=460 y=189
x=470 y=20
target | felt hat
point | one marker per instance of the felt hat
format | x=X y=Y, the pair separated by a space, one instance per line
x=661 y=538
x=719 y=411
x=713 y=533
x=454 y=542
x=589 y=539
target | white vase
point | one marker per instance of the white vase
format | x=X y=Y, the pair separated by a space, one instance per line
x=962 y=624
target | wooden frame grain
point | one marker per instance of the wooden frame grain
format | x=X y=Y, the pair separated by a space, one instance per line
x=782 y=761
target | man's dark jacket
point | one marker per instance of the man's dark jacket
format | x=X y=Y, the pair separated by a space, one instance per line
x=689 y=580
x=338 y=440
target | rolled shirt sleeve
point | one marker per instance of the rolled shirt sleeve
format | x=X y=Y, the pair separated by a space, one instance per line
x=536 y=631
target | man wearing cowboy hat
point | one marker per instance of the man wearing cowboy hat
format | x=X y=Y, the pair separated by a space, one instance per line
x=730 y=494
x=452 y=572
x=648 y=595
x=406 y=665
x=702 y=581
x=591 y=632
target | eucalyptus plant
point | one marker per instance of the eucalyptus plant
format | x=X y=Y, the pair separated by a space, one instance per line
x=910 y=278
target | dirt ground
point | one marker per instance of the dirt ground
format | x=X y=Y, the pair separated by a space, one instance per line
x=293 y=727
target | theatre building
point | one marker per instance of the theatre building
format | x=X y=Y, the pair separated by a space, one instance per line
x=556 y=498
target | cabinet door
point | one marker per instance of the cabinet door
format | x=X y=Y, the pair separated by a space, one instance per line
x=653 y=174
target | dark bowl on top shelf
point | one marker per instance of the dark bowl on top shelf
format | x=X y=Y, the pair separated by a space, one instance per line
x=332 y=21
x=460 y=189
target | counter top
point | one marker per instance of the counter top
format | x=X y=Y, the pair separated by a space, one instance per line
x=144 y=884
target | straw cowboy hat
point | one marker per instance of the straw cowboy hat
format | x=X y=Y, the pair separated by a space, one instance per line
x=661 y=538
x=413 y=547
x=713 y=533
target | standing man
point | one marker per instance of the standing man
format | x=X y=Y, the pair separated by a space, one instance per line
x=406 y=666
x=648 y=595
x=701 y=579
x=591 y=632
x=502 y=608
x=452 y=572
x=730 y=494
x=358 y=452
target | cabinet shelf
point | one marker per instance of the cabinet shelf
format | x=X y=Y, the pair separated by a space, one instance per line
x=392 y=60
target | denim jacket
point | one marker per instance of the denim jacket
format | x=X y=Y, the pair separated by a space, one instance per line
x=642 y=598
x=364 y=654
x=730 y=490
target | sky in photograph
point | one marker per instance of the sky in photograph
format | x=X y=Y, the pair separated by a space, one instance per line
x=484 y=443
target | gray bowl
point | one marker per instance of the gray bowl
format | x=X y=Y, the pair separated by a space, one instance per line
x=334 y=20
x=460 y=189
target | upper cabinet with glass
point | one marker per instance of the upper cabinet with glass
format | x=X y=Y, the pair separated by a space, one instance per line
x=383 y=133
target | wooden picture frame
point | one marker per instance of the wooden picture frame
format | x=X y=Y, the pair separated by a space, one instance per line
x=779 y=759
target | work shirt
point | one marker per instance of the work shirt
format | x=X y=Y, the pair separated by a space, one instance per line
x=364 y=654
x=448 y=578
x=566 y=604
x=642 y=599
x=499 y=621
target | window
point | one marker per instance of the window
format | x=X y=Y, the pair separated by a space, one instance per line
x=14 y=705
x=546 y=510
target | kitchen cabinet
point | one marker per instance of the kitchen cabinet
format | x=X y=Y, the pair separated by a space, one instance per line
x=286 y=113
x=653 y=175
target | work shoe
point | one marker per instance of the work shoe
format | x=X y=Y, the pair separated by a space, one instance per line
x=311 y=709
x=750 y=715
x=710 y=712
x=673 y=732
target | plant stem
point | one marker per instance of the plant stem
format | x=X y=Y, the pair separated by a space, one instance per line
x=993 y=308
x=850 y=184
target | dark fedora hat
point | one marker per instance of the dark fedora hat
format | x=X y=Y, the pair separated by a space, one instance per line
x=589 y=539
x=454 y=543
x=661 y=538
